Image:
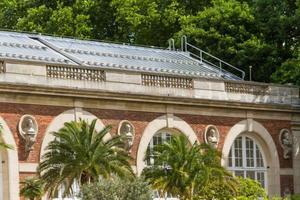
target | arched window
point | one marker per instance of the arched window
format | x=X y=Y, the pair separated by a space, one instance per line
x=162 y=136
x=159 y=138
x=246 y=160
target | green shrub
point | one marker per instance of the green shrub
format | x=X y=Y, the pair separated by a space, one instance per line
x=250 y=190
x=32 y=188
x=117 y=189
x=293 y=197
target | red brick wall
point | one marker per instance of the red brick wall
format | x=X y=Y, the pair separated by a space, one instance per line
x=286 y=184
x=138 y=119
x=199 y=123
x=274 y=127
x=12 y=113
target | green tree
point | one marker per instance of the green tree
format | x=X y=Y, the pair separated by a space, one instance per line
x=289 y=45
x=83 y=19
x=32 y=188
x=116 y=188
x=186 y=170
x=149 y=22
x=278 y=23
x=228 y=30
x=289 y=71
x=81 y=154
x=62 y=20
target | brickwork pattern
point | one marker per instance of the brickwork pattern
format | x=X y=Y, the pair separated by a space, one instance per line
x=12 y=113
x=286 y=184
x=274 y=127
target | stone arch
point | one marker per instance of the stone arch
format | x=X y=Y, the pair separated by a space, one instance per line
x=258 y=132
x=11 y=184
x=67 y=116
x=165 y=121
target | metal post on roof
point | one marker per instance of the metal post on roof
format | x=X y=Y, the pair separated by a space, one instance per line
x=171 y=44
x=250 y=73
x=183 y=43
x=201 y=54
x=220 y=67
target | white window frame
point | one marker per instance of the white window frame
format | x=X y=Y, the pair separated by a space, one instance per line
x=244 y=167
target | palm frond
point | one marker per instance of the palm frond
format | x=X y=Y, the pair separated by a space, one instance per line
x=80 y=154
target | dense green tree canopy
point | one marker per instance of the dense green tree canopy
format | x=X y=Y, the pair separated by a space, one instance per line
x=264 y=34
x=228 y=30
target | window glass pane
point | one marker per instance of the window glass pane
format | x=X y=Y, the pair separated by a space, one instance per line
x=238 y=152
x=246 y=160
x=260 y=177
x=239 y=173
x=157 y=139
x=249 y=152
x=259 y=158
x=250 y=174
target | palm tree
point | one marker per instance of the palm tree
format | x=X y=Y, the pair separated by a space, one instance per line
x=79 y=154
x=2 y=144
x=185 y=170
x=32 y=188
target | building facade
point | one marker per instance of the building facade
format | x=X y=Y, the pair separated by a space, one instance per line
x=46 y=81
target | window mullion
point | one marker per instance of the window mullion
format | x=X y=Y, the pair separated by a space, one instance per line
x=244 y=152
x=233 y=154
x=254 y=155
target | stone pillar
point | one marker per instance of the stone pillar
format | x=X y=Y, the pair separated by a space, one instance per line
x=296 y=151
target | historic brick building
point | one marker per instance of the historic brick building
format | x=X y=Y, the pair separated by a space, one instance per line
x=46 y=81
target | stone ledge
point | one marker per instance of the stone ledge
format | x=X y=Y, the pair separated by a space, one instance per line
x=28 y=167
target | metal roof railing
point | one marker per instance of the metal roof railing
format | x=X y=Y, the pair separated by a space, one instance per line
x=205 y=57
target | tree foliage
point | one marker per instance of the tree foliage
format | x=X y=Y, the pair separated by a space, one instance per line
x=80 y=154
x=227 y=29
x=264 y=34
x=186 y=170
x=32 y=188
x=117 y=189
x=289 y=71
x=250 y=190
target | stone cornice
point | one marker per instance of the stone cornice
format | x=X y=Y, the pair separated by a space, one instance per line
x=28 y=89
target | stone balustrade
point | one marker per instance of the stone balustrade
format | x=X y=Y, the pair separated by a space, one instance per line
x=2 y=69
x=247 y=88
x=166 y=81
x=74 y=73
